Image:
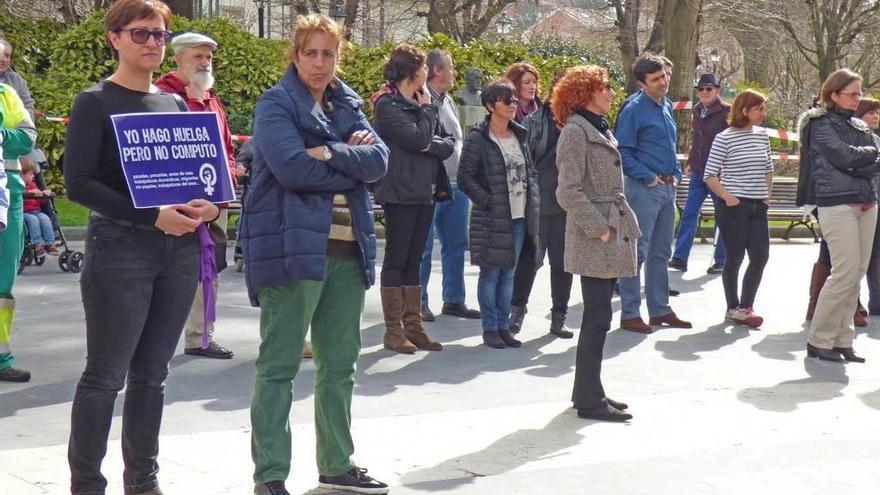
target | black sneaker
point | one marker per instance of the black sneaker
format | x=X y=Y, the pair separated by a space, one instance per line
x=271 y=488
x=355 y=480
x=14 y=375
x=212 y=351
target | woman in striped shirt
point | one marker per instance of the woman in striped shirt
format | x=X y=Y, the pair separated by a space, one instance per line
x=739 y=171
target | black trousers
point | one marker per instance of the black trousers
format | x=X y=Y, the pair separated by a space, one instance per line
x=588 y=392
x=406 y=232
x=744 y=229
x=553 y=237
x=137 y=289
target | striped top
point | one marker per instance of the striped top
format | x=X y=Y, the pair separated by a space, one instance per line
x=742 y=160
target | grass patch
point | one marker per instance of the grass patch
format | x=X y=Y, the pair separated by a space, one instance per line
x=71 y=214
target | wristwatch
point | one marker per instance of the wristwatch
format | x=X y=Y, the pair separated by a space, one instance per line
x=327 y=154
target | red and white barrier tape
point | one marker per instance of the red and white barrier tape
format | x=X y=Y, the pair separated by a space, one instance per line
x=774 y=133
x=774 y=156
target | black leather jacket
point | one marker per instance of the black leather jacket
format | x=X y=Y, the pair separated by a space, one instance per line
x=838 y=159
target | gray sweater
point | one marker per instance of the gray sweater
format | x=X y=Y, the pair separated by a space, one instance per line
x=448 y=111
x=20 y=86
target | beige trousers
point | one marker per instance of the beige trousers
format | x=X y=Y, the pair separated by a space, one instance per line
x=849 y=232
x=196 y=319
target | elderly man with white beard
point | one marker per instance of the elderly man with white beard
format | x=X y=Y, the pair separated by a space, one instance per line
x=192 y=81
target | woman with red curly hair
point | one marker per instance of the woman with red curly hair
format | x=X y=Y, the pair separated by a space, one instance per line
x=601 y=230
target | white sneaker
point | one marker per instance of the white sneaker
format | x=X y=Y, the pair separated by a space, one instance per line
x=745 y=316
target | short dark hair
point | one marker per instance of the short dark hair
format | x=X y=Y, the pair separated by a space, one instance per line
x=497 y=90
x=404 y=62
x=867 y=105
x=436 y=59
x=124 y=12
x=647 y=63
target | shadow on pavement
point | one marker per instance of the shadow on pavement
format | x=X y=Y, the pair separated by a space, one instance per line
x=686 y=347
x=826 y=381
x=504 y=455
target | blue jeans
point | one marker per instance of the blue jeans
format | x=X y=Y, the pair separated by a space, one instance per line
x=40 y=227
x=655 y=210
x=687 y=225
x=451 y=225
x=495 y=286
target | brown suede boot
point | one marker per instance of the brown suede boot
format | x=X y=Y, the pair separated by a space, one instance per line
x=392 y=309
x=412 y=319
x=817 y=281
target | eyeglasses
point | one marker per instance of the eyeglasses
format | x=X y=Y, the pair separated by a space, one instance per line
x=854 y=94
x=703 y=89
x=510 y=100
x=141 y=35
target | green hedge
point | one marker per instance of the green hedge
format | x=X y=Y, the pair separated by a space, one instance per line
x=59 y=61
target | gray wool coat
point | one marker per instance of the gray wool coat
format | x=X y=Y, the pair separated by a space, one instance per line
x=591 y=192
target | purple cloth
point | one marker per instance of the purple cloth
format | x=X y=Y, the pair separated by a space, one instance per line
x=207 y=274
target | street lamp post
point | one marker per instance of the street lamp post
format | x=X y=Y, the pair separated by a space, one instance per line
x=261 y=9
x=714 y=57
x=337 y=13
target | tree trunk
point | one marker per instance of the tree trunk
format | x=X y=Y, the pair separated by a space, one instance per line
x=382 y=21
x=682 y=34
x=181 y=7
x=351 y=13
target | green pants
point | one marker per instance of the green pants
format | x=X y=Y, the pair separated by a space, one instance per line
x=11 y=246
x=333 y=309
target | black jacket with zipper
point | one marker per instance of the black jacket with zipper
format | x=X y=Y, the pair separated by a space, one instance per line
x=482 y=176
x=838 y=159
x=417 y=147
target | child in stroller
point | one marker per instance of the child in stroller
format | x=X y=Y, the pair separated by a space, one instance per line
x=69 y=260
x=36 y=205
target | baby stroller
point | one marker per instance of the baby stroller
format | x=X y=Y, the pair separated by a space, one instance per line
x=69 y=260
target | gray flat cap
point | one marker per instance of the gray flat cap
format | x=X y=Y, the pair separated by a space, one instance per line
x=189 y=40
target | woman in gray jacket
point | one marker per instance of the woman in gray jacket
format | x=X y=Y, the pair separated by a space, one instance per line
x=601 y=230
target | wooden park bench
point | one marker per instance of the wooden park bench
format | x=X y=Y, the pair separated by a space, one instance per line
x=782 y=207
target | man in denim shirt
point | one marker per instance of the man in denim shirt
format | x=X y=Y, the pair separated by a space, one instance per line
x=646 y=135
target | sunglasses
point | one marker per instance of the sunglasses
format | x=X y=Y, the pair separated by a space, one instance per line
x=510 y=100
x=703 y=89
x=141 y=35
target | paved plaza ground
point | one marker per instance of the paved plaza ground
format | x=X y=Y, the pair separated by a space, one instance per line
x=718 y=409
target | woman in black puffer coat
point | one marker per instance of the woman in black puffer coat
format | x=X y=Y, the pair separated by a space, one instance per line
x=838 y=164
x=497 y=174
x=409 y=124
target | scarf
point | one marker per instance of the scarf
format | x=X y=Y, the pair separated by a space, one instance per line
x=523 y=111
x=598 y=121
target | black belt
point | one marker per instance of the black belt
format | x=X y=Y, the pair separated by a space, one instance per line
x=126 y=223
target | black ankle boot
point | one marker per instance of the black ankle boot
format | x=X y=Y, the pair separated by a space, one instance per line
x=508 y=339
x=492 y=340
x=557 y=325
x=849 y=354
x=824 y=354
x=517 y=314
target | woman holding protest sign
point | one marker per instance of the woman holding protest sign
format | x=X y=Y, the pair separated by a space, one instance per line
x=141 y=264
